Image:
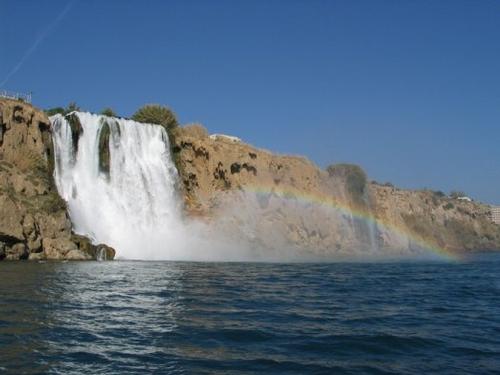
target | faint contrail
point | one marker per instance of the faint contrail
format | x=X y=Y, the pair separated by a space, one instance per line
x=38 y=40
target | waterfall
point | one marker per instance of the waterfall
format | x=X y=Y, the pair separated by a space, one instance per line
x=130 y=203
x=101 y=254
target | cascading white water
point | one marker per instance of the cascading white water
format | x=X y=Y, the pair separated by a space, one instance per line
x=134 y=207
x=130 y=202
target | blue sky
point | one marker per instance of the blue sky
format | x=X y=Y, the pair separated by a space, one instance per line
x=410 y=90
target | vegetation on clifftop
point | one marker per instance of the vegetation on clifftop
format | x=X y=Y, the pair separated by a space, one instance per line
x=109 y=112
x=63 y=111
x=163 y=116
x=156 y=114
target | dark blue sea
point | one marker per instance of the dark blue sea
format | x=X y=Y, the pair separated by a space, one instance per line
x=243 y=318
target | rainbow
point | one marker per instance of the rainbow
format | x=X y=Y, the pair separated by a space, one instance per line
x=330 y=202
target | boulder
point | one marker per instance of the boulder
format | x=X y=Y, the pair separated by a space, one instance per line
x=105 y=252
x=31 y=234
x=77 y=255
x=57 y=248
x=17 y=251
x=10 y=219
x=37 y=256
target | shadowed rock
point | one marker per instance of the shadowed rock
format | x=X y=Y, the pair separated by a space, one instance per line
x=33 y=221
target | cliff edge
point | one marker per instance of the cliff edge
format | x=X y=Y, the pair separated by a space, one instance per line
x=272 y=204
x=286 y=202
x=33 y=222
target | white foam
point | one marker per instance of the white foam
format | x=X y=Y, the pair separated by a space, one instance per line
x=135 y=208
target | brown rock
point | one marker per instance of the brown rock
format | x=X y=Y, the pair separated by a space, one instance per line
x=17 y=251
x=100 y=252
x=57 y=248
x=10 y=219
x=77 y=255
x=37 y=256
x=105 y=252
x=280 y=202
x=32 y=211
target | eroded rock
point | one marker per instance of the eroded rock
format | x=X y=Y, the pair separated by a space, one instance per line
x=279 y=201
x=17 y=251
x=33 y=221
x=105 y=252
x=77 y=255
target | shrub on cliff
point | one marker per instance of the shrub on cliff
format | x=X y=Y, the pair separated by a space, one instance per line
x=72 y=107
x=156 y=114
x=354 y=176
x=448 y=206
x=195 y=130
x=62 y=111
x=108 y=112
x=55 y=111
x=439 y=194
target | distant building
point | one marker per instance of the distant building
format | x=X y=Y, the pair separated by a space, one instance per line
x=495 y=214
x=467 y=199
x=230 y=138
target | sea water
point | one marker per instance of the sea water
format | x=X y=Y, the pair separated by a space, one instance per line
x=250 y=318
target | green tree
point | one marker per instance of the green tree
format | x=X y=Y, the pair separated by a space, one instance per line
x=355 y=179
x=72 y=107
x=156 y=114
x=55 y=111
x=448 y=206
x=63 y=111
x=108 y=112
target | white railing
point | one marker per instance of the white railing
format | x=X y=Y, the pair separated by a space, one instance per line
x=16 y=96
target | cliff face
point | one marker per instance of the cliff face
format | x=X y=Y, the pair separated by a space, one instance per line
x=283 y=202
x=452 y=224
x=33 y=220
x=282 y=206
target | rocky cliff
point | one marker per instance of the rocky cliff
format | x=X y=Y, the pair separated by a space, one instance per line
x=284 y=202
x=451 y=224
x=33 y=219
x=276 y=205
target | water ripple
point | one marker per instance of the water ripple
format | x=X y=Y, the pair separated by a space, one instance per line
x=230 y=318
